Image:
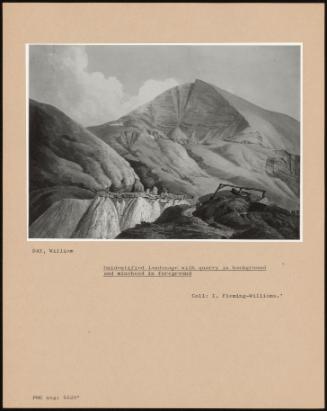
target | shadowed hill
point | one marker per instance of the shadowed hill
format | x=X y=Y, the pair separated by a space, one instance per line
x=63 y=152
x=68 y=161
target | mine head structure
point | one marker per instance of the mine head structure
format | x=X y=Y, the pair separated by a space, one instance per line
x=239 y=190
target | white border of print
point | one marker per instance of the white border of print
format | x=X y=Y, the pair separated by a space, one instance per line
x=300 y=240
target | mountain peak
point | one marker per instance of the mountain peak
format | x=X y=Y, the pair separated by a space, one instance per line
x=199 y=81
x=205 y=85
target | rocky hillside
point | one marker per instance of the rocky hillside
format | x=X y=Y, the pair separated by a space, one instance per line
x=68 y=161
x=226 y=216
x=195 y=136
x=176 y=222
x=248 y=219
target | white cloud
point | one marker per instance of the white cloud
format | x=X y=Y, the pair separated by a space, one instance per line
x=59 y=76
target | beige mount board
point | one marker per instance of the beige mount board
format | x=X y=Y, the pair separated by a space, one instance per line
x=74 y=336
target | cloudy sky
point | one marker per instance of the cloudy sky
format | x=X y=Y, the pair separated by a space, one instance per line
x=96 y=84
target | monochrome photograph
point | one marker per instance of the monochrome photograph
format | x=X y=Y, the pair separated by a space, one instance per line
x=164 y=141
x=163 y=205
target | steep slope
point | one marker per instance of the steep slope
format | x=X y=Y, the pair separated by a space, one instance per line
x=68 y=161
x=195 y=136
x=60 y=219
x=98 y=218
x=277 y=130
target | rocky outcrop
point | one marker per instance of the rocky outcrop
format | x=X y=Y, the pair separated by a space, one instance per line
x=176 y=222
x=226 y=216
x=249 y=219
x=138 y=187
x=286 y=167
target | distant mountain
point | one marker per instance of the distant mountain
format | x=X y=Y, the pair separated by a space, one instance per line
x=195 y=136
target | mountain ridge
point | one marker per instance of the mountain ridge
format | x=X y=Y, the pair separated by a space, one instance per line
x=215 y=136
